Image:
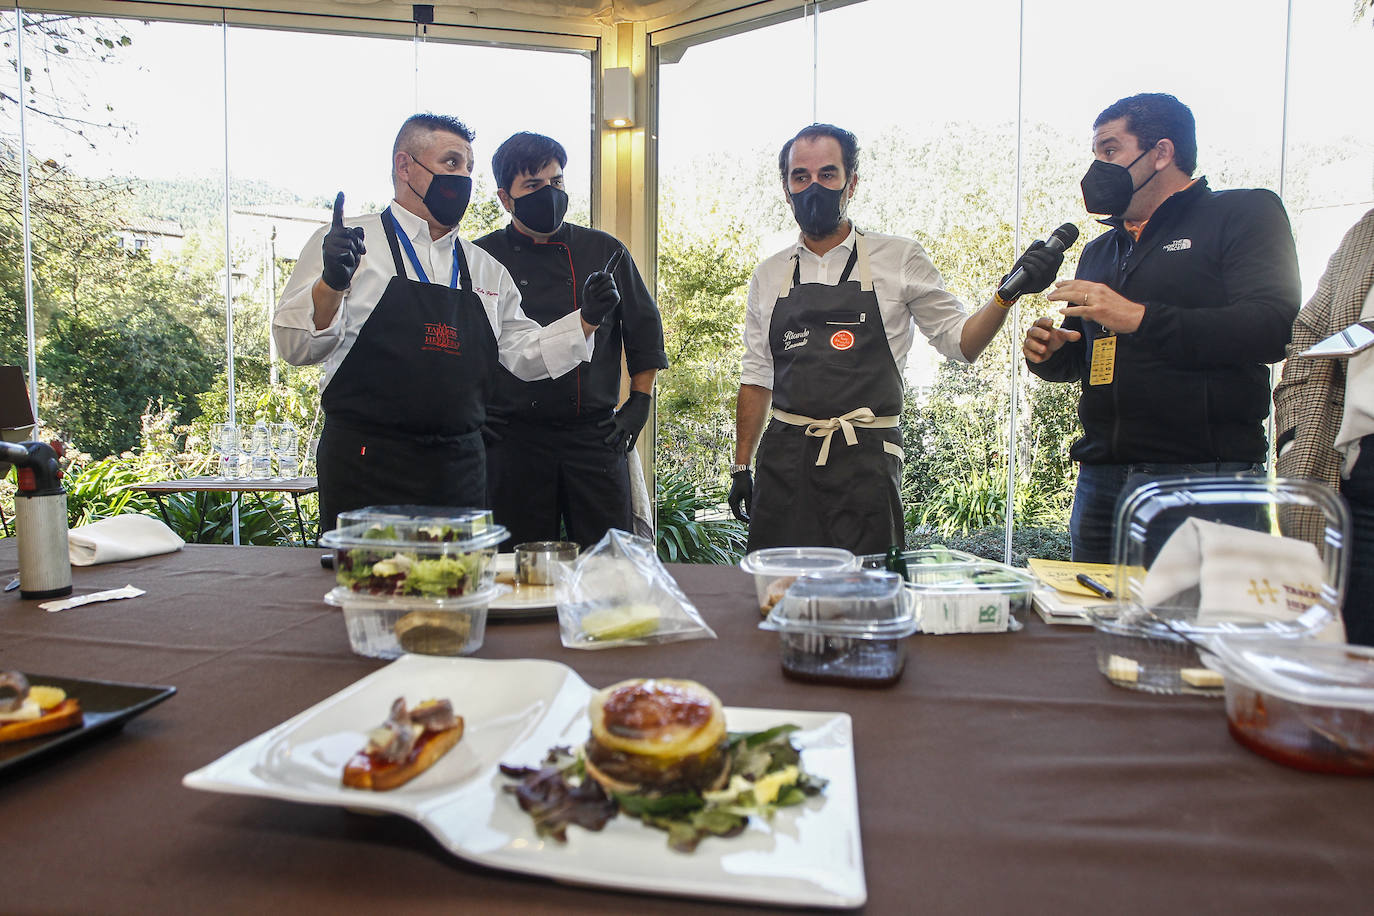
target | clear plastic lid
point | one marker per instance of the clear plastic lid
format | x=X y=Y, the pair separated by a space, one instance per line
x=1299 y=670
x=926 y=556
x=974 y=576
x=798 y=561
x=863 y=604
x=342 y=595
x=407 y=527
x=1218 y=555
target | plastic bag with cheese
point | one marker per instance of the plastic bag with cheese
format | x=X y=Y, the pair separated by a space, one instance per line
x=618 y=593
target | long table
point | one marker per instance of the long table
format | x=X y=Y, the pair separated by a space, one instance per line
x=1002 y=774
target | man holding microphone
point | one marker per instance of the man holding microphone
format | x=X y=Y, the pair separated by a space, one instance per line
x=411 y=334
x=828 y=326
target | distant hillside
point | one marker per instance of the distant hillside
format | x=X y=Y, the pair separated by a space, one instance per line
x=198 y=203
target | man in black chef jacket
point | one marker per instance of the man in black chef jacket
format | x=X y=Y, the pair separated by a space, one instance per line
x=411 y=324
x=557 y=448
x=828 y=326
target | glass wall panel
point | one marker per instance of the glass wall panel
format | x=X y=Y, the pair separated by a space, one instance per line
x=1329 y=170
x=126 y=157
x=726 y=107
x=545 y=92
x=932 y=98
x=1225 y=60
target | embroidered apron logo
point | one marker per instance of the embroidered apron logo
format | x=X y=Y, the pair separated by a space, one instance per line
x=793 y=339
x=842 y=340
x=441 y=338
x=1179 y=245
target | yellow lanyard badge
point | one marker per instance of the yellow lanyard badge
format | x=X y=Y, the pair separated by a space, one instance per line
x=1103 y=365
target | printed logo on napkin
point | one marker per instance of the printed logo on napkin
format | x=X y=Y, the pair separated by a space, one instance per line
x=1237 y=573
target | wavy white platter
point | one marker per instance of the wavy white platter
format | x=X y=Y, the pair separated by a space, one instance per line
x=514 y=711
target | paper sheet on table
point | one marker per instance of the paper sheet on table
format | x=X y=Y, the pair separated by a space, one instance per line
x=1237 y=573
x=1061 y=575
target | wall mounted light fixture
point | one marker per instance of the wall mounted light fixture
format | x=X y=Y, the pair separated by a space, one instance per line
x=618 y=97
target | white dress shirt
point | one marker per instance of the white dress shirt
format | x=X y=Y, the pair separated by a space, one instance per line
x=911 y=294
x=529 y=351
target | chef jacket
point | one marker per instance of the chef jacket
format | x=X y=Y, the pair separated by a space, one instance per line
x=910 y=291
x=549 y=276
x=524 y=348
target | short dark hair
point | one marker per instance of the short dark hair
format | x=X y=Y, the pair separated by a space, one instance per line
x=849 y=147
x=525 y=153
x=426 y=123
x=1153 y=116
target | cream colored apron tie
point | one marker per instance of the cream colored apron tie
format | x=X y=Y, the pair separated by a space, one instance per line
x=824 y=429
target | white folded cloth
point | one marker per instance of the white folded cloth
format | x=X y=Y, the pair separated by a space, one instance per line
x=1239 y=574
x=122 y=537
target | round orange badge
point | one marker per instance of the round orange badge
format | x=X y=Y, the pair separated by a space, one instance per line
x=842 y=340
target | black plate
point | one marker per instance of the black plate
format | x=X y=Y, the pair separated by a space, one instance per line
x=105 y=707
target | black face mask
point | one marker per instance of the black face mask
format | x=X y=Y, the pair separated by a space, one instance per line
x=541 y=211
x=447 y=197
x=818 y=209
x=1108 y=187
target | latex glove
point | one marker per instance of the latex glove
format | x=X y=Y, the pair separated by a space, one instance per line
x=599 y=297
x=491 y=429
x=343 y=248
x=741 y=493
x=626 y=423
x=1041 y=266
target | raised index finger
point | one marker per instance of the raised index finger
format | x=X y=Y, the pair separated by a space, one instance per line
x=338 y=211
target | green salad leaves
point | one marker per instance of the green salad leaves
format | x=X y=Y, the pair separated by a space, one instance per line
x=765 y=774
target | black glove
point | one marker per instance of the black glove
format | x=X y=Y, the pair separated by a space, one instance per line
x=491 y=428
x=1041 y=266
x=343 y=248
x=599 y=297
x=741 y=494
x=625 y=424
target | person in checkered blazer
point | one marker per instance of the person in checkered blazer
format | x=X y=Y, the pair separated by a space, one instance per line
x=1324 y=422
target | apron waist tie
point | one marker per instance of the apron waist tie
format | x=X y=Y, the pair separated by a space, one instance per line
x=824 y=429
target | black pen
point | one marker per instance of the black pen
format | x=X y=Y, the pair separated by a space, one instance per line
x=1094 y=586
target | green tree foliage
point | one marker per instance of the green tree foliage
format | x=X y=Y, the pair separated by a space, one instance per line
x=104 y=370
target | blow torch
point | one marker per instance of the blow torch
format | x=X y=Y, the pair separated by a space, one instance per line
x=40 y=508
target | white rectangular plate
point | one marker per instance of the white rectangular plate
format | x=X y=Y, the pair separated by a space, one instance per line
x=514 y=711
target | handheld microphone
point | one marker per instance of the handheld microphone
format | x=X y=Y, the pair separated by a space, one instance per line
x=1061 y=238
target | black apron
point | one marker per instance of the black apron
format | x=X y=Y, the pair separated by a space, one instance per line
x=404 y=409
x=830 y=357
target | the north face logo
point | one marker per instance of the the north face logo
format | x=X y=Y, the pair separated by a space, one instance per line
x=441 y=338
x=1179 y=245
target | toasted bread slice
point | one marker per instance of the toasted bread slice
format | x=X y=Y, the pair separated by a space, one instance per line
x=366 y=772
x=61 y=717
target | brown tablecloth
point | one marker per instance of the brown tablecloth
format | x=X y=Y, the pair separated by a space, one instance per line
x=1003 y=774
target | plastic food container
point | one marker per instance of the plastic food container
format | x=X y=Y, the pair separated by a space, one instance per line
x=383 y=627
x=776 y=568
x=967 y=596
x=1302 y=703
x=415 y=551
x=1151 y=643
x=844 y=628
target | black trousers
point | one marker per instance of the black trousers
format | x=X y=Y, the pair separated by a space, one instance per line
x=543 y=478
x=357 y=468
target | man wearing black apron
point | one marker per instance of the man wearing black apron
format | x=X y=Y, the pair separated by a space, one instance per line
x=827 y=329
x=411 y=335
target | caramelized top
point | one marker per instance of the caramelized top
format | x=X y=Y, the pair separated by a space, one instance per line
x=640 y=709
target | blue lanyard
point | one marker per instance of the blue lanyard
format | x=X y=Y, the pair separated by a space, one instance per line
x=415 y=261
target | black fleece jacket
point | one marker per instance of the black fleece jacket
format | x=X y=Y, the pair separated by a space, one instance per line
x=1217 y=273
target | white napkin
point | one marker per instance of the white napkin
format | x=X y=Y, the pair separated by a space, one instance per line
x=122 y=537
x=1240 y=574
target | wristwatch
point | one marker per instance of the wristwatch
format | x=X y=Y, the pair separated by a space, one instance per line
x=736 y=468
